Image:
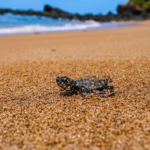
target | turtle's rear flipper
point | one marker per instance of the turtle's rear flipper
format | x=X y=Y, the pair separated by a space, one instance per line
x=107 y=91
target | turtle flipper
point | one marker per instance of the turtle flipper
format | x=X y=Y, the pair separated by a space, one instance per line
x=86 y=92
x=107 y=91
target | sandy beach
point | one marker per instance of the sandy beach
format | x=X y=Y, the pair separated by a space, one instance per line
x=35 y=114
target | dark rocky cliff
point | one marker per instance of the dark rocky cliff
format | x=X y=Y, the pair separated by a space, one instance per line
x=133 y=11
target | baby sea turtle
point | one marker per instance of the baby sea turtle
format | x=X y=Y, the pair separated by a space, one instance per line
x=97 y=85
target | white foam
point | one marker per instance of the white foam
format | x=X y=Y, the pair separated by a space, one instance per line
x=40 y=28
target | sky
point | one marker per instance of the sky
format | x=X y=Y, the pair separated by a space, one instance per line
x=76 y=6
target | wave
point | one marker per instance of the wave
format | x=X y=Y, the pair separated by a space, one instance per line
x=42 y=28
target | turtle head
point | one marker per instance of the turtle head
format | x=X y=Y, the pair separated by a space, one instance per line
x=65 y=82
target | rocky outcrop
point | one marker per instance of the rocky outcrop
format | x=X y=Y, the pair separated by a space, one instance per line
x=50 y=9
x=125 y=12
x=126 y=9
x=56 y=13
x=133 y=11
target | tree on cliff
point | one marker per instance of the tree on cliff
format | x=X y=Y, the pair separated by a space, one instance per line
x=141 y=3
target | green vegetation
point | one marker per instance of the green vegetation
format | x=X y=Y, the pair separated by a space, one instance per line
x=141 y=3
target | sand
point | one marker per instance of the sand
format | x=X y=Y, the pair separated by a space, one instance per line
x=35 y=114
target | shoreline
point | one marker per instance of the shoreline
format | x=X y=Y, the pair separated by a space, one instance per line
x=36 y=43
x=106 y=25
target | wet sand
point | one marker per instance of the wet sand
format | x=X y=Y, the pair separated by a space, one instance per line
x=35 y=114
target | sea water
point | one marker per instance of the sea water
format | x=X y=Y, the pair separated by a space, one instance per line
x=22 y=24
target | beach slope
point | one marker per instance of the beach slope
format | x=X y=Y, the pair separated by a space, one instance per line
x=35 y=114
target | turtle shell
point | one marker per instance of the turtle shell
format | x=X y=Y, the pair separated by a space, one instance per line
x=91 y=83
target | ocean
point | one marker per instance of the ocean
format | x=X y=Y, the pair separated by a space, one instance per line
x=23 y=24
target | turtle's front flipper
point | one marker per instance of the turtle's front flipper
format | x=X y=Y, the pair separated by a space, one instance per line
x=83 y=89
x=87 y=92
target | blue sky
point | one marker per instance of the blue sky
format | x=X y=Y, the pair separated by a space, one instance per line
x=76 y=6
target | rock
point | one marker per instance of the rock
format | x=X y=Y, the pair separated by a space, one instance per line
x=133 y=11
x=56 y=13
x=147 y=10
x=51 y=9
x=127 y=9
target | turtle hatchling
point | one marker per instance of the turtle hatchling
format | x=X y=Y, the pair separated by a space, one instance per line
x=97 y=85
